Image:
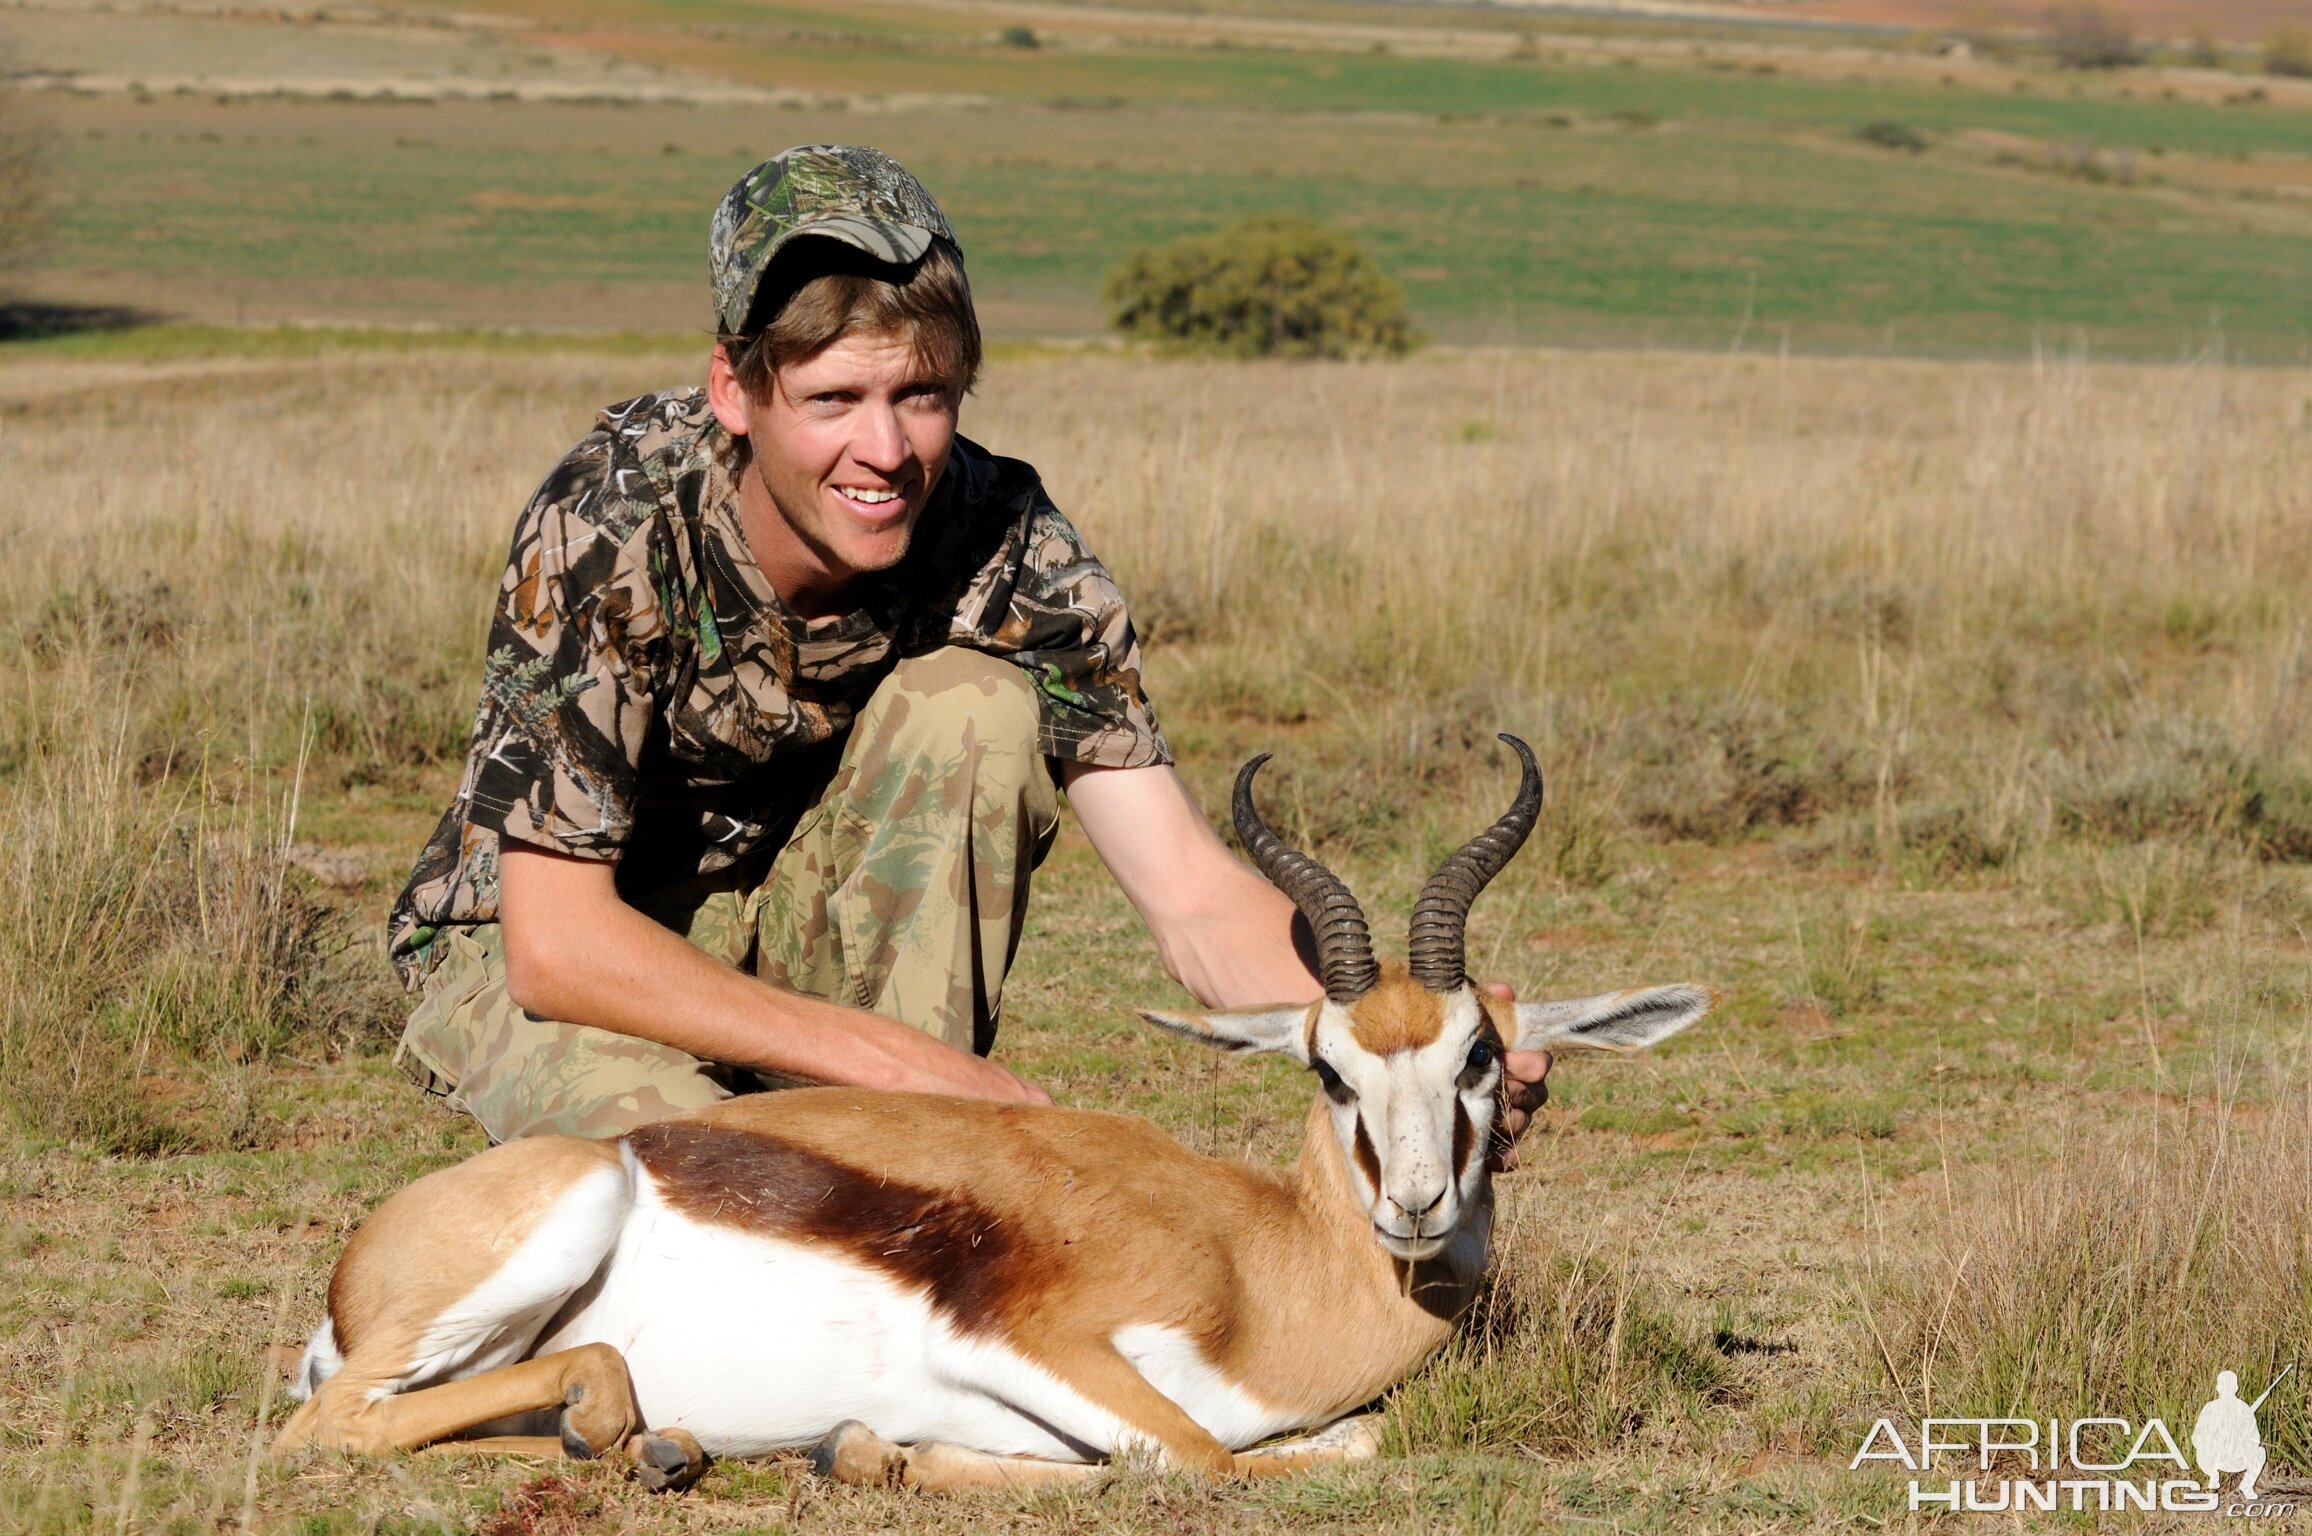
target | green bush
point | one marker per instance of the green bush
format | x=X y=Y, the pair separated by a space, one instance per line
x=1888 y=133
x=2289 y=51
x=1266 y=287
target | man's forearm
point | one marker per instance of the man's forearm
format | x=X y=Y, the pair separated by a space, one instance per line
x=1222 y=931
x=1232 y=944
x=577 y=953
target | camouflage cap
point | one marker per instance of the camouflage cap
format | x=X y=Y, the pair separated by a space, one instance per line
x=845 y=192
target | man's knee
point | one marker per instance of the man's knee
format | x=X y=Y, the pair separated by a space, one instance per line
x=953 y=694
x=954 y=710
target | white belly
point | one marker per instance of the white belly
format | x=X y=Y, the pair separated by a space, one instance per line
x=753 y=1343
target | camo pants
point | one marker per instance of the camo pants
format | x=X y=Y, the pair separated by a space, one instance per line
x=900 y=890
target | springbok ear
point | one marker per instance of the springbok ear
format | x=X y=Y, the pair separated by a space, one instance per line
x=1283 y=1029
x=1613 y=1021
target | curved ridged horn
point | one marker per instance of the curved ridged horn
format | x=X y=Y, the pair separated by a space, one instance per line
x=1434 y=952
x=1344 y=945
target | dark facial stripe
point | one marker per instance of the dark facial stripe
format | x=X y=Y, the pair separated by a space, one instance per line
x=1367 y=1158
x=1464 y=1139
x=936 y=1241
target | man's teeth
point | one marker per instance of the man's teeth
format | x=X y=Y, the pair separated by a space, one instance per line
x=872 y=496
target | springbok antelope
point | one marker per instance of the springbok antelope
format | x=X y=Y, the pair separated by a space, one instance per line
x=944 y=1293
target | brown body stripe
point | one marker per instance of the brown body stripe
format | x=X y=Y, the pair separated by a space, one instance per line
x=937 y=1241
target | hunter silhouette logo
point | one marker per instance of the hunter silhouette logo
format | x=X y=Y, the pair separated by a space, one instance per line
x=2090 y=1465
x=2225 y=1438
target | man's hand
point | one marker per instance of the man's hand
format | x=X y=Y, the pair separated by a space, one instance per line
x=1524 y=1089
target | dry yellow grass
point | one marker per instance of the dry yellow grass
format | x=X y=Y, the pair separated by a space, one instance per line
x=1952 y=718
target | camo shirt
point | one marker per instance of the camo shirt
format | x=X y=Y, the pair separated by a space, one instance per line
x=648 y=699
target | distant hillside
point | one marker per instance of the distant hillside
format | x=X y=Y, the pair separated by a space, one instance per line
x=2238 y=20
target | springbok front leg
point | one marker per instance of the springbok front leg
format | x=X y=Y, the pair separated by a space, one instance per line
x=1084 y=1388
x=1355 y=1438
x=852 y=1453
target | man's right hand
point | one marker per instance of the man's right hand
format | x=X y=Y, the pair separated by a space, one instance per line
x=576 y=952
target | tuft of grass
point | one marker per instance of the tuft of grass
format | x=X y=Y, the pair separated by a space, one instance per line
x=1559 y=1357
x=151 y=941
x=2122 y=1271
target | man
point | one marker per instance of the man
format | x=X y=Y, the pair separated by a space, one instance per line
x=784 y=680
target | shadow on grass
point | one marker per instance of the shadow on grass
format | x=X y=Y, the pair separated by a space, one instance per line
x=30 y=320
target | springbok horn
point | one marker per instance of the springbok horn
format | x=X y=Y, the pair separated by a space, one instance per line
x=1435 y=953
x=1344 y=945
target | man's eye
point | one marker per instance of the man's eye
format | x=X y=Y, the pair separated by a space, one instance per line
x=1336 y=1090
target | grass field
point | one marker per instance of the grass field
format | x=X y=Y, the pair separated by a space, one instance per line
x=1648 y=188
x=1922 y=658
x=1949 y=717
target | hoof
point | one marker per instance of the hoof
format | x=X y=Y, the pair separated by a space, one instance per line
x=852 y=1453
x=593 y=1423
x=667 y=1460
x=574 y=1444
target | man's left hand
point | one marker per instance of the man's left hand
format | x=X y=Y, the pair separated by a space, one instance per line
x=1524 y=1089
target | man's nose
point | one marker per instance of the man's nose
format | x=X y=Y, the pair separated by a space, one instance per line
x=880 y=445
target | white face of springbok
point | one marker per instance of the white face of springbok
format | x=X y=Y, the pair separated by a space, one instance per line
x=1412 y=1079
x=1409 y=1056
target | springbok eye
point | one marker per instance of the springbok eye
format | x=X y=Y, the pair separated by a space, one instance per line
x=1482 y=1055
x=1336 y=1090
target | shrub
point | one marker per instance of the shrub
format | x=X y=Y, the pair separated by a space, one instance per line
x=2085 y=34
x=1887 y=133
x=1019 y=37
x=1265 y=287
x=2289 y=51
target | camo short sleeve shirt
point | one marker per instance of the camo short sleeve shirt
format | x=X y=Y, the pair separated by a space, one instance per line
x=648 y=699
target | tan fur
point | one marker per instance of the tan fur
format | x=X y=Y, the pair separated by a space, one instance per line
x=1399 y=1014
x=1076 y=1224
x=422 y=1251
x=1309 y=1312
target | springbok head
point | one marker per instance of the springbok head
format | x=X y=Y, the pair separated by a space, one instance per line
x=1409 y=1055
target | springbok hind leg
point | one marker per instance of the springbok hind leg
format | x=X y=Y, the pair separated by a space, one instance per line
x=588 y=1385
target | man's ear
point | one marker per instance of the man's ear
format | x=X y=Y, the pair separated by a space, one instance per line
x=725 y=395
x=1613 y=1021
x=1283 y=1029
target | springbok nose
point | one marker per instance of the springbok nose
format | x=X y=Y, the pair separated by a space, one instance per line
x=1416 y=1205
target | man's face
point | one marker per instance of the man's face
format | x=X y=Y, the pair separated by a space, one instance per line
x=846 y=449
